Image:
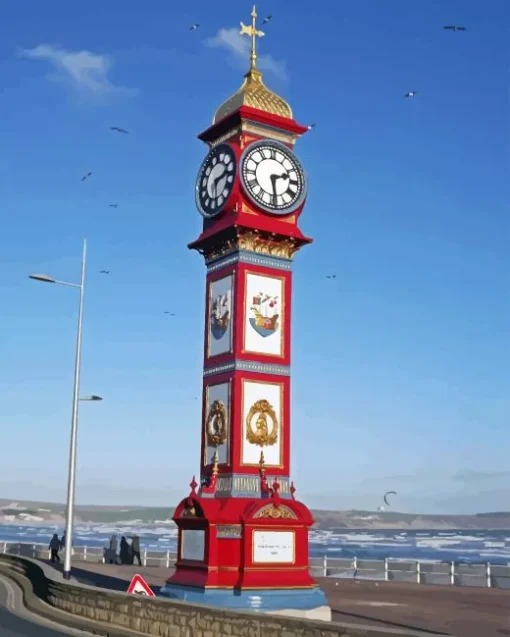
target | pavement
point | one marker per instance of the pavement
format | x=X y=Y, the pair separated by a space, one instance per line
x=451 y=610
x=16 y=621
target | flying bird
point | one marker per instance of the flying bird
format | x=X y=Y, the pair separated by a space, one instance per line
x=104 y=271
x=385 y=497
x=119 y=130
x=194 y=27
x=114 y=205
x=266 y=19
x=411 y=94
x=454 y=27
x=331 y=276
x=86 y=176
x=170 y=313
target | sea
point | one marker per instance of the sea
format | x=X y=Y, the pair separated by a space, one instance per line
x=470 y=546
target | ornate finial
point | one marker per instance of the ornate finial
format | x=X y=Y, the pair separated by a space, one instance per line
x=262 y=463
x=252 y=31
x=276 y=486
x=215 y=461
x=292 y=490
x=193 y=484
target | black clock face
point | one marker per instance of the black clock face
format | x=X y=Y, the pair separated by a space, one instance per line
x=215 y=180
x=272 y=177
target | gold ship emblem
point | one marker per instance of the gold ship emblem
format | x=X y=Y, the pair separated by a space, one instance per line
x=216 y=424
x=262 y=434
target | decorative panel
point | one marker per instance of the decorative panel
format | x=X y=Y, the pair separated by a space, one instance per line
x=264 y=305
x=220 y=327
x=262 y=423
x=217 y=422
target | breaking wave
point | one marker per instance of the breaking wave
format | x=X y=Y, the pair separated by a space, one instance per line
x=482 y=546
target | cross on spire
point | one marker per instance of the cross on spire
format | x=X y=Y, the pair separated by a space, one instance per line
x=254 y=34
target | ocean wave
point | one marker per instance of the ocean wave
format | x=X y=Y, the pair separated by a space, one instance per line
x=488 y=546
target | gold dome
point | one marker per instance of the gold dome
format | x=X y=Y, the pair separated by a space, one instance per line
x=254 y=93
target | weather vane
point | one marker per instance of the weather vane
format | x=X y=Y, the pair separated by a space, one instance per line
x=252 y=31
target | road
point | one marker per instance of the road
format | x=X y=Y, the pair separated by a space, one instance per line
x=17 y=621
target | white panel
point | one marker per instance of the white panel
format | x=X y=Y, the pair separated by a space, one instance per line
x=222 y=393
x=264 y=315
x=220 y=316
x=193 y=545
x=273 y=547
x=273 y=393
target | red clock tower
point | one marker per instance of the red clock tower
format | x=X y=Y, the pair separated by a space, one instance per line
x=243 y=535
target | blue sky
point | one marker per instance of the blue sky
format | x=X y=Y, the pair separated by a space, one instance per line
x=401 y=370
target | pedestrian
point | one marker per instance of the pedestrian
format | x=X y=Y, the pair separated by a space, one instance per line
x=113 y=543
x=63 y=541
x=135 y=550
x=54 y=548
x=125 y=551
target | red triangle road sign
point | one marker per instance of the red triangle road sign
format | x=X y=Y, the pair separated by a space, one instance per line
x=139 y=586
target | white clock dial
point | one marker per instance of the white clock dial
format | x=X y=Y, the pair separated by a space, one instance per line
x=272 y=177
x=215 y=180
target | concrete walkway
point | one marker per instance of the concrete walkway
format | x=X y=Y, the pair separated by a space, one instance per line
x=17 y=621
x=456 y=611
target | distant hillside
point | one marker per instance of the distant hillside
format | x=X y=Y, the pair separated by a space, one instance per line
x=16 y=512
x=411 y=521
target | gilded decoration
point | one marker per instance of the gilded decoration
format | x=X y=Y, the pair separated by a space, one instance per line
x=235 y=131
x=263 y=434
x=189 y=512
x=216 y=424
x=262 y=131
x=229 y=531
x=252 y=241
x=276 y=513
x=253 y=92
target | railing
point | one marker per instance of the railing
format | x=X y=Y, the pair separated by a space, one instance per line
x=420 y=572
x=412 y=571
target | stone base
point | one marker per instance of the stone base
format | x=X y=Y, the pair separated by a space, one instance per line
x=307 y=603
x=322 y=613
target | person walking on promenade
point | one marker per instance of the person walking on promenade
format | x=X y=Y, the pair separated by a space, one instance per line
x=125 y=551
x=135 y=550
x=54 y=548
x=113 y=543
x=63 y=541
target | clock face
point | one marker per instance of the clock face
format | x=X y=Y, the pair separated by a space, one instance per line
x=215 y=180
x=272 y=177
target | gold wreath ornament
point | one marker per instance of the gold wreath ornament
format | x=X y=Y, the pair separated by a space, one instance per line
x=216 y=424
x=261 y=435
x=275 y=513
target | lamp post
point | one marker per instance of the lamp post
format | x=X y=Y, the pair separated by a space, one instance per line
x=74 y=423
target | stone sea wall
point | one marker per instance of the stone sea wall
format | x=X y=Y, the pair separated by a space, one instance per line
x=118 y=614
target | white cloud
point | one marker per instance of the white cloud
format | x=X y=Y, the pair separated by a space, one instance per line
x=239 y=47
x=87 y=72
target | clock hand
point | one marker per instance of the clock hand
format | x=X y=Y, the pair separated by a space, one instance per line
x=273 y=179
x=216 y=182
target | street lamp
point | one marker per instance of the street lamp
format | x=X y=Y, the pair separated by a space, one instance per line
x=74 y=423
x=91 y=398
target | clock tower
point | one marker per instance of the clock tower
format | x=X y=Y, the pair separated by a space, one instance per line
x=242 y=533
